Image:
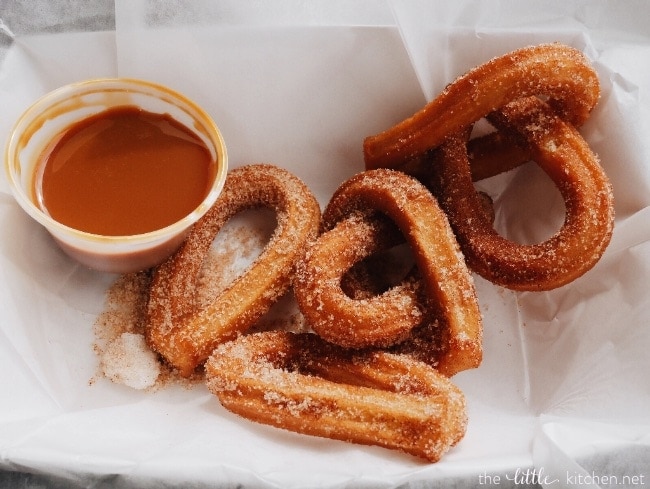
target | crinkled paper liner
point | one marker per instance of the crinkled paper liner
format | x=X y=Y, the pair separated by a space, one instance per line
x=562 y=396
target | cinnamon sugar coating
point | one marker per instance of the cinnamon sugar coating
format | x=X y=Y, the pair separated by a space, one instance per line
x=559 y=149
x=353 y=321
x=301 y=383
x=558 y=72
x=185 y=335
x=447 y=286
x=535 y=98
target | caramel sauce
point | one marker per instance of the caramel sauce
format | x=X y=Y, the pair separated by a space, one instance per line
x=122 y=172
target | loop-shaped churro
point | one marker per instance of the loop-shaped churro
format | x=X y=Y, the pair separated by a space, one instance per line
x=185 y=336
x=447 y=283
x=559 y=149
x=301 y=383
x=558 y=72
x=354 y=322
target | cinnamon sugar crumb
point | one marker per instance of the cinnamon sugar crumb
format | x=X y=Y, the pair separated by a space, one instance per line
x=127 y=360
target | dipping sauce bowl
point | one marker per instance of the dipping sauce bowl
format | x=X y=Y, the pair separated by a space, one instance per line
x=117 y=170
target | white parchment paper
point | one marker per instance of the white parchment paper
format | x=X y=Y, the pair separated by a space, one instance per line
x=300 y=85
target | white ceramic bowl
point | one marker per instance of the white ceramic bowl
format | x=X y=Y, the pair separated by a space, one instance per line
x=62 y=108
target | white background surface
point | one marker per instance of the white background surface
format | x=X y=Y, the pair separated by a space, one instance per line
x=299 y=84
